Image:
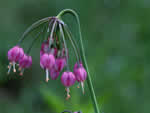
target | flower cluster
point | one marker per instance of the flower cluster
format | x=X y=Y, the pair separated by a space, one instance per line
x=54 y=57
x=17 y=55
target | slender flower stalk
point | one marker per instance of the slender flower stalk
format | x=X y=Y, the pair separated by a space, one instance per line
x=66 y=50
x=89 y=82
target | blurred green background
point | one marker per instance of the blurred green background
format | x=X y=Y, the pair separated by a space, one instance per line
x=117 y=42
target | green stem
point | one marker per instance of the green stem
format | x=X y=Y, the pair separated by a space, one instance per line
x=66 y=50
x=34 y=40
x=32 y=27
x=73 y=45
x=89 y=81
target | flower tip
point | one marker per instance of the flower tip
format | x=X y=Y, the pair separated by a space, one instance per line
x=78 y=87
x=47 y=80
x=68 y=96
x=19 y=69
x=82 y=85
x=14 y=70
x=21 y=74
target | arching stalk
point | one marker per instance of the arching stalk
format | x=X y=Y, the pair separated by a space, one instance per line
x=73 y=45
x=89 y=81
x=66 y=51
x=32 y=27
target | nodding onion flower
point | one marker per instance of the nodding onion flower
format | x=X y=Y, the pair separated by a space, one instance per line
x=54 y=53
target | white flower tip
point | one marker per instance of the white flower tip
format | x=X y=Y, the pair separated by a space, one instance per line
x=68 y=96
x=21 y=74
x=14 y=70
x=19 y=69
x=78 y=87
x=82 y=85
x=47 y=80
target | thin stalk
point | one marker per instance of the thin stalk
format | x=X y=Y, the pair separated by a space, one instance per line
x=89 y=81
x=36 y=37
x=73 y=41
x=32 y=27
x=51 y=34
x=73 y=45
x=34 y=40
x=66 y=51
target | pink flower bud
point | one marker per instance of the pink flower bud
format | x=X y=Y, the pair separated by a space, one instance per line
x=47 y=61
x=25 y=62
x=14 y=55
x=54 y=73
x=60 y=63
x=80 y=74
x=68 y=79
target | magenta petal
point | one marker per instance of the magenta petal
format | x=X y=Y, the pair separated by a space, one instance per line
x=15 y=54
x=25 y=62
x=47 y=61
x=68 y=79
x=54 y=74
x=60 y=63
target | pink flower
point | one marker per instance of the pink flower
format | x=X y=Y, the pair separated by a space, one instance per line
x=14 y=55
x=80 y=74
x=25 y=62
x=54 y=73
x=47 y=61
x=77 y=65
x=68 y=79
x=60 y=63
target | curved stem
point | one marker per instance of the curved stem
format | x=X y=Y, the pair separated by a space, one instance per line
x=51 y=34
x=32 y=27
x=34 y=40
x=66 y=50
x=73 y=41
x=89 y=82
x=73 y=45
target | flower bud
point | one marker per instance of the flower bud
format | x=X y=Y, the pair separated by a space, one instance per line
x=54 y=73
x=47 y=61
x=25 y=62
x=14 y=55
x=80 y=74
x=60 y=64
x=68 y=79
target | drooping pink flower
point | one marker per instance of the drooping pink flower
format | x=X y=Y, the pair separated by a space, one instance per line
x=60 y=64
x=80 y=74
x=54 y=73
x=25 y=62
x=77 y=65
x=47 y=61
x=68 y=79
x=14 y=55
